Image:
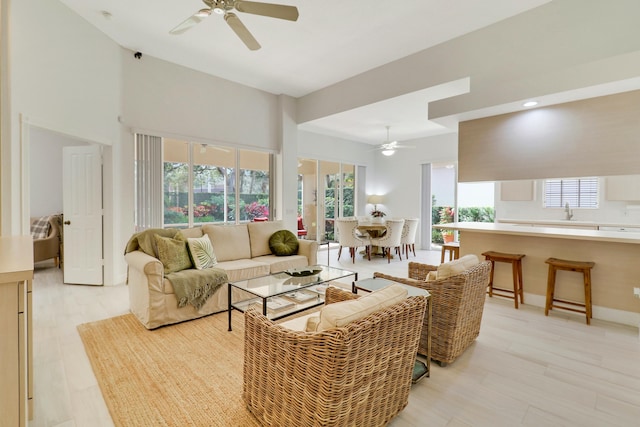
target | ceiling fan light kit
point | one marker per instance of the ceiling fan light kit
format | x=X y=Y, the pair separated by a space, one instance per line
x=388 y=148
x=225 y=7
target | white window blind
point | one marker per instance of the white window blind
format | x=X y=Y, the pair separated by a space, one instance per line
x=578 y=192
x=148 y=181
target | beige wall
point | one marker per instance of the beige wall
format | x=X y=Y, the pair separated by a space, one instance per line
x=593 y=137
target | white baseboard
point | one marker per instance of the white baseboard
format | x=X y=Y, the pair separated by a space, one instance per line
x=628 y=318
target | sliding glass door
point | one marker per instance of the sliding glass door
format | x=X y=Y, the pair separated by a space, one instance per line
x=326 y=190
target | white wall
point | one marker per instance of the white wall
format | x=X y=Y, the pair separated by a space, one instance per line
x=46 y=170
x=608 y=212
x=398 y=177
x=170 y=100
x=330 y=148
x=65 y=76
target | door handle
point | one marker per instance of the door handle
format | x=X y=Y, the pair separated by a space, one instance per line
x=67 y=223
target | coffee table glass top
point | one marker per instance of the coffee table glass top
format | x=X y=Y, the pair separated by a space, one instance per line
x=280 y=283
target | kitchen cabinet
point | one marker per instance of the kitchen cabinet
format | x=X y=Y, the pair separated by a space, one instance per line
x=623 y=188
x=16 y=359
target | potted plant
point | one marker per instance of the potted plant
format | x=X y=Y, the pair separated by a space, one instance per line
x=447 y=236
x=447 y=215
x=377 y=215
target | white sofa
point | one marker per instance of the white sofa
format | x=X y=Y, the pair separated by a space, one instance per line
x=242 y=252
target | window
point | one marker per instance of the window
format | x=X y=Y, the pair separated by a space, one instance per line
x=577 y=192
x=206 y=184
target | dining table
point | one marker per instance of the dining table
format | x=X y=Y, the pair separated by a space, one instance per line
x=373 y=230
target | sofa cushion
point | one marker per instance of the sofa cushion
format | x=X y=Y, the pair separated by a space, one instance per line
x=191 y=232
x=40 y=227
x=341 y=313
x=259 y=234
x=243 y=269
x=201 y=251
x=173 y=253
x=456 y=267
x=282 y=263
x=283 y=243
x=231 y=242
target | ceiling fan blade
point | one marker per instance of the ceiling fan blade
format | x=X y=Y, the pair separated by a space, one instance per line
x=279 y=11
x=238 y=27
x=191 y=21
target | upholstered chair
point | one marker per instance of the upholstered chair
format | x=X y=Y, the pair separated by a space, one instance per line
x=48 y=247
x=391 y=238
x=348 y=237
x=408 y=240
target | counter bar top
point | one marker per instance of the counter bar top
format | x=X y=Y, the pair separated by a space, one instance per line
x=550 y=232
x=564 y=223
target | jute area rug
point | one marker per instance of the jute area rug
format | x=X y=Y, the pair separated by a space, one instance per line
x=188 y=374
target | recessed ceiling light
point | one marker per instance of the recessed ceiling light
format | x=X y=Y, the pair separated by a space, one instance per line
x=530 y=104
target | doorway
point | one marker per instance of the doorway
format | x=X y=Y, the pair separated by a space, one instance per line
x=45 y=189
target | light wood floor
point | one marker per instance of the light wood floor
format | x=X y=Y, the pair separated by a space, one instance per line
x=524 y=369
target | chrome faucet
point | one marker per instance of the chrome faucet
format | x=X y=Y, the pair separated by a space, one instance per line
x=568 y=211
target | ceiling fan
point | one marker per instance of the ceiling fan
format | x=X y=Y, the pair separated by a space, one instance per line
x=225 y=7
x=388 y=147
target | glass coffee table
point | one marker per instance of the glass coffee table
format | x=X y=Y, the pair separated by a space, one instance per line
x=286 y=293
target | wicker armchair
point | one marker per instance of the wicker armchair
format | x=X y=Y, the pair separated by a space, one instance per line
x=457 y=303
x=358 y=375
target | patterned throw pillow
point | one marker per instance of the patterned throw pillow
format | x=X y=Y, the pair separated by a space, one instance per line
x=173 y=253
x=202 y=252
x=40 y=227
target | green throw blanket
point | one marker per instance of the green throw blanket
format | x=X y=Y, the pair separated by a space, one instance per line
x=190 y=286
x=196 y=286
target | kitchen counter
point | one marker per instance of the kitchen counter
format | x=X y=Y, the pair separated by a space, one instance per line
x=569 y=223
x=549 y=232
x=616 y=256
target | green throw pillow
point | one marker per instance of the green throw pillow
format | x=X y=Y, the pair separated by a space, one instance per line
x=202 y=252
x=283 y=243
x=173 y=253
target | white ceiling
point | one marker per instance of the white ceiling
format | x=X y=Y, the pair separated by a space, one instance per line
x=331 y=41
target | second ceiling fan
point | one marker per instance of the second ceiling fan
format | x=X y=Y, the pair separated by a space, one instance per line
x=225 y=7
x=388 y=147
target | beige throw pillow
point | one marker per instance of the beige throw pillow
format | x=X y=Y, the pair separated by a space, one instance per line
x=339 y=314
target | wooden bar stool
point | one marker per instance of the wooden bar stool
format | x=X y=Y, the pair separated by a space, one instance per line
x=454 y=251
x=556 y=264
x=516 y=265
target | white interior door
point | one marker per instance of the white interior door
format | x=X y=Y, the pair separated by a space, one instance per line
x=82 y=205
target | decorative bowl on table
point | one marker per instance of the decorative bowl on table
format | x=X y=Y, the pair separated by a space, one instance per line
x=303 y=272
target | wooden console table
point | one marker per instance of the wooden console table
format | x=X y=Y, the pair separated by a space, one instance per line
x=16 y=358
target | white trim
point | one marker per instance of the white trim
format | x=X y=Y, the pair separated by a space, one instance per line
x=197 y=139
x=628 y=318
x=71 y=133
x=25 y=176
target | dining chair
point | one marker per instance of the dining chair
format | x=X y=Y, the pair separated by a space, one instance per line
x=348 y=237
x=390 y=239
x=408 y=240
